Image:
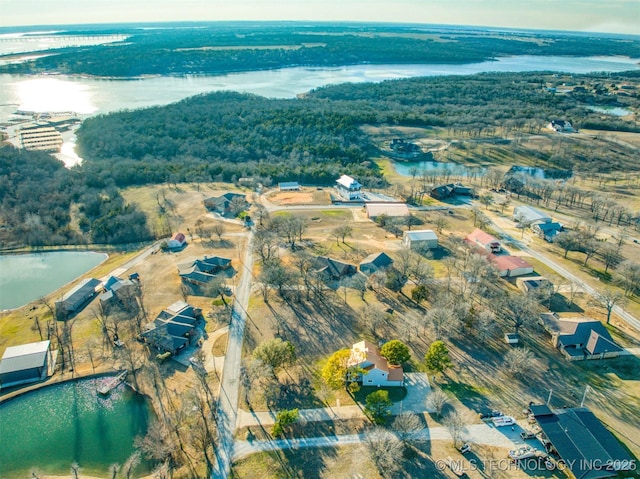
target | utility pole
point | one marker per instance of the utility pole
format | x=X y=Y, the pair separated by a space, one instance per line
x=549 y=398
x=584 y=396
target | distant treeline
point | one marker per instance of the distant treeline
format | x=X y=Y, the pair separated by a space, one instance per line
x=233 y=47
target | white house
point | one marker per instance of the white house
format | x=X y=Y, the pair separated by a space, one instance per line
x=348 y=188
x=420 y=239
x=177 y=241
x=377 y=371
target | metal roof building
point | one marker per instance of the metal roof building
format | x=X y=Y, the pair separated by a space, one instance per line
x=23 y=364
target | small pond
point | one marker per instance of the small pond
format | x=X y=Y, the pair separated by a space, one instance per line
x=52 y=427
x=611 y=110
x=27 y=277
x=407 y=168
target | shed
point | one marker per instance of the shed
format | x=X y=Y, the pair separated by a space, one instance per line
x=24 y=364
x=420 y=239
x=177 y=241
x=289 y=186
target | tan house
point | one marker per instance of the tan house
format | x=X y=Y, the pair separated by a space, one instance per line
x=377 y=371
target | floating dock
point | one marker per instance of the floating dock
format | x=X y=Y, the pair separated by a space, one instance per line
x=108 y=384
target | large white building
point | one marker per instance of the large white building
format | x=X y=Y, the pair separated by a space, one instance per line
x=348 y=188
x=529 y=215
x=26 y=363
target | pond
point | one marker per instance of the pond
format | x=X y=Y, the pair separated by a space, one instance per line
x=611 y=110
x=52 y=427
x=27 y=277
x=436 y=168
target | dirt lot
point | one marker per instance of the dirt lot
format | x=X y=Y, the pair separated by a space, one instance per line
x=306 y=196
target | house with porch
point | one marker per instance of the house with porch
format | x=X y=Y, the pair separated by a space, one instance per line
x=334 y=269
x=349 y=188
x=228 y=204
x=174 y=329
x=376 y=369
x=202 y=271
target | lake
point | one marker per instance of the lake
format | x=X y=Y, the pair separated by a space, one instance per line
x=611 y=110
x=91 y=96
x=27 y=277
x=54 y=426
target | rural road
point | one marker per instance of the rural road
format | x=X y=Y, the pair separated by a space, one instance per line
x=228 y=395
x=625 y=316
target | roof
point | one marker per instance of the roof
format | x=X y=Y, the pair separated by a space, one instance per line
x=366 y=352
x=170 y=326
x=289 y=184
x=574 y=331
x=583 y=443
x=389 y=209
x=380 y=260
x=348 y=182
x=421 y=235
x=479 y=236
x=546 y=227
x=180 y=237
x=335 y=268
x=510 y=263
x=205 y=265
x=527 y=213
x=24 y=356
x=224 y=199
x=86 y=288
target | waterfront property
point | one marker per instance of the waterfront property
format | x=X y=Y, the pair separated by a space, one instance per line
x=79 y=296
x=349 y=188
x=39 y=137
x=174 y=329
x=26 y=363
x=420 y=240
x=580 y=338
x=585 y=445
x=116 y=290
x=376 y=370
x=444 y=192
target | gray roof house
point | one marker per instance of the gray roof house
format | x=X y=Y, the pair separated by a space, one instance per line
x=24 y=364
x=201 y=271
x=174 y=328
x=375 y=262
x=585 y=445
x=580 y=338
x=333 y=268
x=75 y=299
x=224 y=204
x=529 y=215
x=547 y=231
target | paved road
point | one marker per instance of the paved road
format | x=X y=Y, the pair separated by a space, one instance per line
x=473 y=433
x=228 y=396
x=628 y=318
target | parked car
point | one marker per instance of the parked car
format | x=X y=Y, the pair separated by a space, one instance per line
x=503 y=421
x=464 y=448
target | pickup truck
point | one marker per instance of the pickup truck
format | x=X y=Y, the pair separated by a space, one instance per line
x=527 y=435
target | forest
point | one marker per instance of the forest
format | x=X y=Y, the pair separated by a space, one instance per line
x=225 y=136
x=217 y=48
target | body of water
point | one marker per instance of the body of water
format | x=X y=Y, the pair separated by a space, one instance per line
x=52 y=427
x=420 y=168
x=611 y=110
x=27 y=277
x=91 y=96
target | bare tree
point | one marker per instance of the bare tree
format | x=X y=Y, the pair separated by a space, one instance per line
x=440 y=320
x=437 y=400
x=519 y=309
x=440 y=222
x=113 y=470
x=385 y=449
x=75 y=469
x=608 y=299
x=517 y=361
x=265 y=244
x=611 y=256
x=455 y=424
x=219 y=229
x=630 y=277
x=130 y=464
x=406 y=426
x=341 y=232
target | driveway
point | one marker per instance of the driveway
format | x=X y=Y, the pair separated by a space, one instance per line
x=418 y=389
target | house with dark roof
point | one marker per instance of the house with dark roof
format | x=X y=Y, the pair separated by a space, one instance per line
x=116 y=289
x=333 y=268
x=174 y=329
x=580 y=338
x=547 y=231
x=587 y=448
x=376 y=370
x=228 y=204
x=561 y=126
x=202 y=271
x=532 y=284
x=375 y=262
x=79 y=296
x=26 y=363
x=445 y=192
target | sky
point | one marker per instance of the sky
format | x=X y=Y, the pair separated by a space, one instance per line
x=613 y=16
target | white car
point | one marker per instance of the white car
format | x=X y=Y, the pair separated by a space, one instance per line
x=503 y=421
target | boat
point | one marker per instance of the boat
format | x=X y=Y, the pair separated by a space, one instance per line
x=524 y=452
x=106 y=385
x=503 y=421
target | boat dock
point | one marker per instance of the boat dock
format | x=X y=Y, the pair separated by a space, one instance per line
x=108 y=384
